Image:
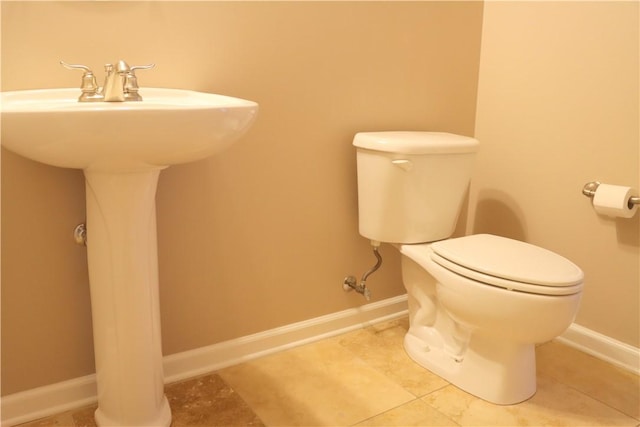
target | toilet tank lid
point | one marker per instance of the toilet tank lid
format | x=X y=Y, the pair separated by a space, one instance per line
x=406 y=142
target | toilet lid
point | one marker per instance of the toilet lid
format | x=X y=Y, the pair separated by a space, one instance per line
x=490 y=256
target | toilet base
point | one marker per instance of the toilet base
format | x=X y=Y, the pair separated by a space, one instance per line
x=496 y=371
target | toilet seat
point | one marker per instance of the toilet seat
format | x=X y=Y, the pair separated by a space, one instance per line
x=509 y=264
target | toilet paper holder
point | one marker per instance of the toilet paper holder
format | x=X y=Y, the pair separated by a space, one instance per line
x=590 y=188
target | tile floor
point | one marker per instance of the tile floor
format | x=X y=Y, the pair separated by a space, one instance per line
x=364 y=378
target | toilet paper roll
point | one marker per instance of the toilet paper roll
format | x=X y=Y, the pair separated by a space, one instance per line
x=613 y=200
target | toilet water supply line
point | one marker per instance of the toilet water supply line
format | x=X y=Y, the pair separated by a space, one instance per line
x=350 y=282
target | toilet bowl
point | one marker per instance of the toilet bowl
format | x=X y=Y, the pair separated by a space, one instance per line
x=477 y=304
x=482 y=326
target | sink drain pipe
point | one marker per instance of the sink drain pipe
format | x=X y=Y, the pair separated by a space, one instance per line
x=350 y=283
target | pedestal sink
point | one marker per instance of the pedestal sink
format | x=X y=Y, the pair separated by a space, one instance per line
x=122 y=147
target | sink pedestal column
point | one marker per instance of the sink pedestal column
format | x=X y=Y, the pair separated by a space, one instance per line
x=123 y=274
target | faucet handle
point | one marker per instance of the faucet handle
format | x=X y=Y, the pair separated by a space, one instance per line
x=141 y=67
x=89 y=85
x=131 y=82
x=76 y=66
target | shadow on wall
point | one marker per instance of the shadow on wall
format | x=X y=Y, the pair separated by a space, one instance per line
x=628 y=231
x=461 y=224
x=497 y=213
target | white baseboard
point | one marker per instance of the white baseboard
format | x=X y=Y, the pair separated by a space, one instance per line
x=55 y=398
x=601 y=346
x=211 y=358
x=51 y=399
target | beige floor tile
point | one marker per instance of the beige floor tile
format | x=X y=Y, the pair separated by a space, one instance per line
x=414 y=413
x=316 y=384
x=202 y=401
x=554 y=404
x=381 y=346
x=208 y=401
x=61 y=420
x=616 y=387
x=84 y=417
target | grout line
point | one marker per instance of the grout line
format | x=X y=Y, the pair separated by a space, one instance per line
x=583 y=393
x=384 y=412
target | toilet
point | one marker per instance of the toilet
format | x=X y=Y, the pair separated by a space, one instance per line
x=477 y=304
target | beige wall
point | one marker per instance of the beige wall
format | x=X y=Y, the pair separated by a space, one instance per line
x=558 y=107
x=262 y=234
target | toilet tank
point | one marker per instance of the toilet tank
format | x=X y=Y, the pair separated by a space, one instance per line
x=411 y=185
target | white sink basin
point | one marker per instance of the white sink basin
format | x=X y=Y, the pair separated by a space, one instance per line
x=169 y=126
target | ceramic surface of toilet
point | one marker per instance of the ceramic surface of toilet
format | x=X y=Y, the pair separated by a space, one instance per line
x=477 y=304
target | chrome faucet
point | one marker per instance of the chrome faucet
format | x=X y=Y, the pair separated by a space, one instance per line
x=120 y=83
x=113 y=87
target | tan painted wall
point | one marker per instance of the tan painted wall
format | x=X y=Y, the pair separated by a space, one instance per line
x=263 y=234
x=558 y=107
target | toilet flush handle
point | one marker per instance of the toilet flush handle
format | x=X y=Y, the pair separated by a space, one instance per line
x=403 y=164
